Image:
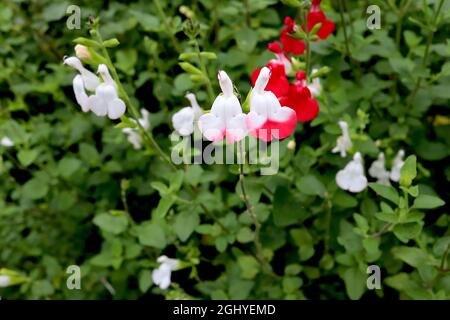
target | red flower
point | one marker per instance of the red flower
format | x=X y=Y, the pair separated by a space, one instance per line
x=299 y=98
x=291 y=45
x=278 y=83
x=315 y=16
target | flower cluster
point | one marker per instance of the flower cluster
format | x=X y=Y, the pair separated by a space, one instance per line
x=104 y=99
x=267 y=119
x=276 y=105
x=352 y=178
x=298 y=95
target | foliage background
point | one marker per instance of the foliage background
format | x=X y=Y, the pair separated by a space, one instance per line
x=68 y=170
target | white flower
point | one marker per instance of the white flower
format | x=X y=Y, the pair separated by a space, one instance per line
x=82 y=52
x=105 y=101
x=352 y=177
x=133 y=134
x=226 y=118
x=90 y=80
x=397 y=166
x=6 y=142
x=343 y=142
x=184 y=121
x=267 y=119
x=378 y=170
x=161 y=275
x=80 y=93
x=315 y=87
x=4 y=281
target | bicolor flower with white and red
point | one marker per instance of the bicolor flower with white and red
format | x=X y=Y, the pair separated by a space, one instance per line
x=226 y=119
x=352 y=177
x=267 y=119
x=278 y=83
x=280 y=56
x=315 y=87
x=299 y=98
x=315 y=16
x=185 y=120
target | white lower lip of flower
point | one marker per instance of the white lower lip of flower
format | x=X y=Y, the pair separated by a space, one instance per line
x=4 y=281
x=6 y=142
x=80 y=93
x=226 y=118
x=352 y=177
x=397 y=166
x=183 y=121
x=106 y=102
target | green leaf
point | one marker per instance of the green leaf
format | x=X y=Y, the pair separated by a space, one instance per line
x=246 y=39
x=190 y=68
x=304 y=240
x=412 y=256
x=386 y=192
x=245 y=235
x=286 y=209
x=163 y=207
x=68 y=166
x=35 y=189
x=291 y=284
x=111 y=43
x=27 y=157
x=424 y=201
x=249 y=267
x=151 y=235
x=145 y=280
x=147 y=21
x=110 y=223
x=311 y=186
x=407 y=231
x=408 y=171
x=185 y=224
x=355 y=283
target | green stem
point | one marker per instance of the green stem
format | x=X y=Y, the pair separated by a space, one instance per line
x=259 y=249
x=427 y=52
x=442 y=267
x=341 y=13
x=209 y=87
x=147 y=135
x=163 y=18
x=329 y=205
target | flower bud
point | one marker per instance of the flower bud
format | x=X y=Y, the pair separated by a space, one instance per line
x=82 y=52
x=291 y=145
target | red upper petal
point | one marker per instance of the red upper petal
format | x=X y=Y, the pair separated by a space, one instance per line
x=291 y=45
x=315 y=16
x=299 y=98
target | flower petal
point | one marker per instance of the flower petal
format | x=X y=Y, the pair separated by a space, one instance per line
x=116 y=109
